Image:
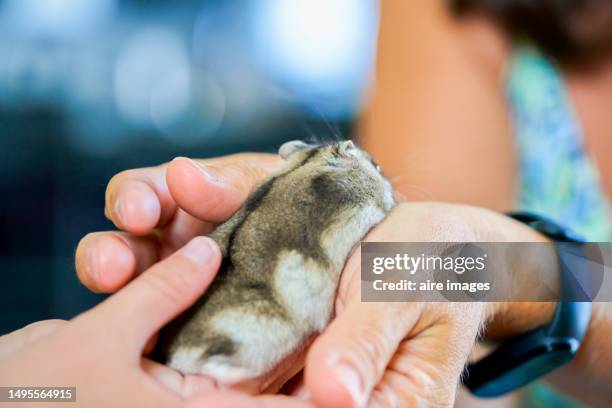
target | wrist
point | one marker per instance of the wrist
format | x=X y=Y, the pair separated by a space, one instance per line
x=508 y=319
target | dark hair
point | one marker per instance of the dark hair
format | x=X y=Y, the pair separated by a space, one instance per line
x=572 y=31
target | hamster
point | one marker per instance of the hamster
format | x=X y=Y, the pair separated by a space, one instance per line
x=283 y=253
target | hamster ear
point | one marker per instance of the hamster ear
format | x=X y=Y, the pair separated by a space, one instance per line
x=347 y=149
x=288 y=148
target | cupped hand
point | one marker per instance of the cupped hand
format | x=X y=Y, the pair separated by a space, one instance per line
x=100 y=352
x=159 y=209
x=413 y=353
x=387 y=354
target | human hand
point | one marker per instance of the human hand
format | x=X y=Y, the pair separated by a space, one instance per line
x=413 y=353
x=383 y=327
x=395 y=354
x=100 y=352
x=159 y=209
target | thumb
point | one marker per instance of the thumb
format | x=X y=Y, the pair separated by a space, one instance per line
x=213 y=190
x=347 y=361
x=150 y=301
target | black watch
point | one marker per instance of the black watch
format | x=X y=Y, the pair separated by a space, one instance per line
x=531 y=355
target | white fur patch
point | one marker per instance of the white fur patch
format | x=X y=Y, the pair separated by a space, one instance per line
x=185 y=359
x=306 y=289
x=261 y=342
x=224 y=373
x=353 y=224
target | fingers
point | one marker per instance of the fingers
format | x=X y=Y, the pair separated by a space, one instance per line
x=12 y=342
x=347 y=361
x=230 y=399
x=106 y=261
x=426 y=368
x=185 y=386
x=285 y=372
x=274 y=380
x=138 y=200
x=213 y=190
x=157 y=296
x=418 y=374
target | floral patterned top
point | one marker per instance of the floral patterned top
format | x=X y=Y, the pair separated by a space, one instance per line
x=558 y=178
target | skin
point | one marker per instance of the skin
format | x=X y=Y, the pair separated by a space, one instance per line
x=159 y=209
x=358 y=372
x=375 y=354
x=416 y=104
x=112 y=338
x=371 y=353
x=431 y=66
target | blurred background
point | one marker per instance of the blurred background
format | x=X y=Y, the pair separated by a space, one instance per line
x=92 y=87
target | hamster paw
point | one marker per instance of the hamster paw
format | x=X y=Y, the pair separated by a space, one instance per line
x=188 y=360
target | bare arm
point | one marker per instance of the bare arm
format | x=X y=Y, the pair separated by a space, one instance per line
x=437 y=123
x=438 y=102
x=588 y=376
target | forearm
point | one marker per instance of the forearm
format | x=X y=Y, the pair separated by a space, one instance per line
x=447 y=122
x=435 y=104
x=588 y=376
x=590 y=373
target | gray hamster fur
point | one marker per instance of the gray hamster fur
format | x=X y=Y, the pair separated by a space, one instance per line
x=283 y=253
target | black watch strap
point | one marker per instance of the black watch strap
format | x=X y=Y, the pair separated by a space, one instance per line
x=531 y=355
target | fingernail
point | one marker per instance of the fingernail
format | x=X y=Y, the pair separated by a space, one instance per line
x=351 y=380
x=113 y=261
x=92 y=263
x=119 y=211
x=199 y=250
x=205 y=170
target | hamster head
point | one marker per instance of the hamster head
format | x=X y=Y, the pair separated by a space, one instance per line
x=340 y=171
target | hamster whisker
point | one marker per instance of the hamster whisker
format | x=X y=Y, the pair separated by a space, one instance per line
x=333 y=128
